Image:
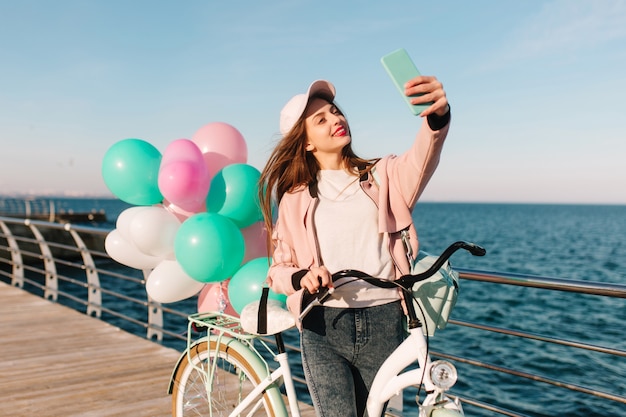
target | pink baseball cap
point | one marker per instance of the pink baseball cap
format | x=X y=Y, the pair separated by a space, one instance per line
x=295 y=107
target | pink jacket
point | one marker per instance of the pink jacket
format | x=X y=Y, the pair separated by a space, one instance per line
x=401 y=181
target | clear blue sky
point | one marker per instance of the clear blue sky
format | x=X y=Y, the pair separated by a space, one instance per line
x=537 y=88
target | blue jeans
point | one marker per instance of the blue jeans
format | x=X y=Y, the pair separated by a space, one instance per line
x=342 y=349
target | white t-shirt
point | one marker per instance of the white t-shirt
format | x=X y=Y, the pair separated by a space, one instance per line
x=346 y=222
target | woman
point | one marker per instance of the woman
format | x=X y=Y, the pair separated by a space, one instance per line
x=338 y=211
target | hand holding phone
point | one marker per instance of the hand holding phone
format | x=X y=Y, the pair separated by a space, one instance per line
x=401 y=69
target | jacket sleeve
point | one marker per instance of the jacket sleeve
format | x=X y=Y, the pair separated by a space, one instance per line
x=411 y=171
x=403 y=178
x=284 y=269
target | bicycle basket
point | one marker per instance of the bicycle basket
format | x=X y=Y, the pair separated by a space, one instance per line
x=436 y=295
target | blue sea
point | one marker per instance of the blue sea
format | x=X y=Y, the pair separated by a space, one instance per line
x=577 y=242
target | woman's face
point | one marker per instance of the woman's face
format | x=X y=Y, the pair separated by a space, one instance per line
x=327 y=130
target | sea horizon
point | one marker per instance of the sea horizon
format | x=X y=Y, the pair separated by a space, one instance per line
x=85 y=195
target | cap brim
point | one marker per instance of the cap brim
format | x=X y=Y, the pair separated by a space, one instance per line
x=294 y=109
x=321 y=88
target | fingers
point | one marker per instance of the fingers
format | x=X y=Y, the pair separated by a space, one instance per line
x=428 y=89
x=316 y=278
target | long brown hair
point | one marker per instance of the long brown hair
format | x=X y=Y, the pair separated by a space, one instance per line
x=290 y=166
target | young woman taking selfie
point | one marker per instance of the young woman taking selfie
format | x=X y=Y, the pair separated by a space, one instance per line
x=339 y=211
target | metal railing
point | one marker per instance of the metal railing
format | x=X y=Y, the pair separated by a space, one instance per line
x=68 y=264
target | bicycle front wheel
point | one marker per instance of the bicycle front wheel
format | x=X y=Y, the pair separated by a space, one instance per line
x=214 y=378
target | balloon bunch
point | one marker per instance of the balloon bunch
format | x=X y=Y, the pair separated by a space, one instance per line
x=195 y=224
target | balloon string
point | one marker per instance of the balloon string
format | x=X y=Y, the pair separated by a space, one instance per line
x=222 y=302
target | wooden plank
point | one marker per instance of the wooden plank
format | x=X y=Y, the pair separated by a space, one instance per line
x=55 y=361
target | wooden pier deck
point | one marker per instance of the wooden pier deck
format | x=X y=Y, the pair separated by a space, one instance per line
x=55 y=361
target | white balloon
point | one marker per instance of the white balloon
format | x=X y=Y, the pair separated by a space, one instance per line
x=168 y=283
x=126 y=253
x=153 y=231
x=125 y=218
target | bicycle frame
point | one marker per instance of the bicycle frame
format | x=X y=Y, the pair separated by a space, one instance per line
x=391 y=379
x=283 y=371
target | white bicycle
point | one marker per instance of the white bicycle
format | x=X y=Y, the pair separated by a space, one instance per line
x=224 y=373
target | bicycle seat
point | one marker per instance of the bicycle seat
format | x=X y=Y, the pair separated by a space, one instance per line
x=278 y=318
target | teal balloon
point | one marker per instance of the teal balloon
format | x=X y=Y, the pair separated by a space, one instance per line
x=209 y=247
x=130 y=169
x=234 y=194
x=247 y=284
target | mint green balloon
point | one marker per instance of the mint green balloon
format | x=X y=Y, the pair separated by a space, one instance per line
x=209 y=247
x=234 y=194
x=247 y=284
x=130 y=169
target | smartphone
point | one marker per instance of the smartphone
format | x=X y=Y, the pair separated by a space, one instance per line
x=401 y=69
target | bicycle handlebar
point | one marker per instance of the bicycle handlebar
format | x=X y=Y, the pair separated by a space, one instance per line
x=405 y=281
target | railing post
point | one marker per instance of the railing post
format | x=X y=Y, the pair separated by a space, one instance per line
x=17 y=272
x=51 y=212
x=51 y=290
x=94 y=293
x=155 y=314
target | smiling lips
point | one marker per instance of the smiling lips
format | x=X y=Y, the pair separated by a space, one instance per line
x=341 y=131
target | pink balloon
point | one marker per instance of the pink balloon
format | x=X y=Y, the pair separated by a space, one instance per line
x=255 y=238
x=221 y=144
x=214 y=297
x=181 y=150
x=183 y=176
